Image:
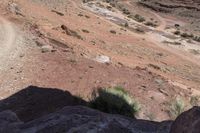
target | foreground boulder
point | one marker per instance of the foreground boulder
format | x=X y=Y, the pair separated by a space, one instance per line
x=9 y=122
x=81 y=119
x=187 y=122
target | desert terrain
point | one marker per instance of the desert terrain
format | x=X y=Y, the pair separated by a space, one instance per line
x=151 y=48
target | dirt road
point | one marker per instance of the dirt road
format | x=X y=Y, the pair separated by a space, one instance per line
x=7 y=40
x=13 y=49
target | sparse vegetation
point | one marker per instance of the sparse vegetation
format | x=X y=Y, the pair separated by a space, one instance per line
x=177 y=107
x=139 y=18
x=126 y=24
x=173 y=43
x=139 y=30
x=154 y=66
x=186 y=35
x=70 y=32
x=114 y=100
x=196 y=38
x=195 y=100
x=151 y=116
x=80 y=15
x=177 y=32
x=87 y=16
x=151 y=24
x=113 y=32
x=195 y=51
x=126 y=11
x=85 y=31
x=177 y=25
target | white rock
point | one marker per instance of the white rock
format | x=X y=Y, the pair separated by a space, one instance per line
x=46 y=48
x=103 y=59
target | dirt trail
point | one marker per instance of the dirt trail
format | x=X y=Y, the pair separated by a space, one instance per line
x=7 y=39
x=13 y=49
x=162 y=21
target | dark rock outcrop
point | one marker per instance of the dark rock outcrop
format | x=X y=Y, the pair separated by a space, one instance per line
x=81 y=119
x=9 y=122
x=34 y=102
x=188 y=122
x=47 y=110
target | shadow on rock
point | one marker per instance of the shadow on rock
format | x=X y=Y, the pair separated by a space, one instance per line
x=34 y=102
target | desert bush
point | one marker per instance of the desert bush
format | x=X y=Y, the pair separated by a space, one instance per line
x=177 y=25
x=114 y=100
x=109 y=7
x=195 y=100
x=85 y=1
x=80 y=15
x=87 y=16
x=177 y=32
x=177 y=107
x=85 y=31
x=196 y=38
x=151 y=24
x=173 y=43
x=126 y=24
x=71 y=32
x=139 y=30
x=139 y=18
x=126 y=11
x=186 y=35
x=113 y=32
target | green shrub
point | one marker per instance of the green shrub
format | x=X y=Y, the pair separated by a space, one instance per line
x=177 y=107
x=186 y=35
x=194 y=100
x=114 y=100
x=139 y=18
x=126 y=11
x=151 y=24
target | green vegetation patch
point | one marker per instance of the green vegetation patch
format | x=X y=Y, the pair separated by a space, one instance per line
x=115 y=101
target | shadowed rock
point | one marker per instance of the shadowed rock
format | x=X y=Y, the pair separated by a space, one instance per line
x=34 y=102
x=45 y=110
x=187 y=122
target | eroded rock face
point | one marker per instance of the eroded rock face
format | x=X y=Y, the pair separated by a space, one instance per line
x=85 y=120
x=188 y=122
